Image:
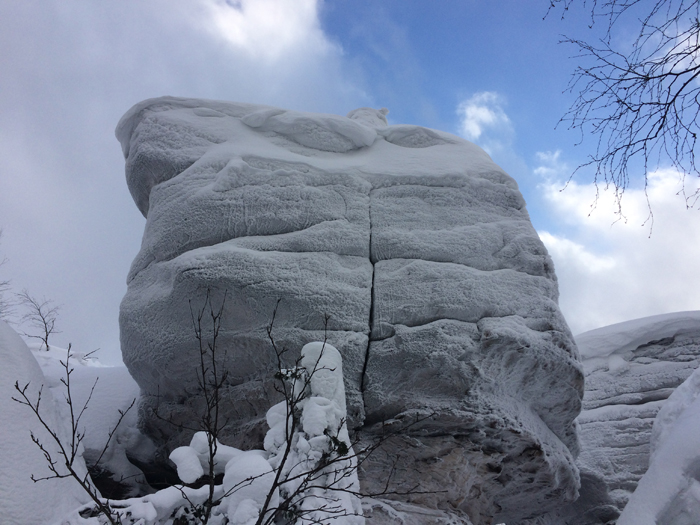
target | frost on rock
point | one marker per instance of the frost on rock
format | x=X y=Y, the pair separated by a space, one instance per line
x=631 y=370
x=440 y=295
x=669 y=491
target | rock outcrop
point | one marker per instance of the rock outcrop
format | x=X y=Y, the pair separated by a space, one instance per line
x=631 y=369
x=669 y=491
x=416 y=248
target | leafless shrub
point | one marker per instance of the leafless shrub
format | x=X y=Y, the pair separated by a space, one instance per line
x=330 y=474
x=63 y=466
x=40 y=314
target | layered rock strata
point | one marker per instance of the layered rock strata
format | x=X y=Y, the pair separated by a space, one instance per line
x=669 y=491
x=631 y=369
x=416 y=248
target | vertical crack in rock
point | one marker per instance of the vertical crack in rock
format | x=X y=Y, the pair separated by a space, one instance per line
x=370 y=323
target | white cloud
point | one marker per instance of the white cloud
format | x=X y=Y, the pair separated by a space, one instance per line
x=70 y=69
x=551 y=166
x=610 y=268
x=266 y=29
x=484 y=121
x=578 y=256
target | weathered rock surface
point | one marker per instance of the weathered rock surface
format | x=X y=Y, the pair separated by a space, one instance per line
x=669 y=492
x=382 y=512
x=418 y=248
x=631 y=369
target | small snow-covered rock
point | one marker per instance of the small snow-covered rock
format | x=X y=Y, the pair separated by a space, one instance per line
x=320 y=480
x=192 y=461
x=189 y=468
x=414 y=245
x=248 y=481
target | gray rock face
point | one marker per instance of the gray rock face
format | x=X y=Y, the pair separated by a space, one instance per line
x=631 y=369
x=419 y=249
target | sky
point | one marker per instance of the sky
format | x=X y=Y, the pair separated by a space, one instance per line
x=491 y=72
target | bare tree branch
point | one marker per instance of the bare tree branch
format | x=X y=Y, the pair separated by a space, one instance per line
x=642 y=105
x=41 y=315
x=69 y=451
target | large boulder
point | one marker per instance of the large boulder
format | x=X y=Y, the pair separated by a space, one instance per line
x=413 y=245
x=631 y=370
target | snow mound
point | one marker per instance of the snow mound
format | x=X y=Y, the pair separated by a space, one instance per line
x=110 y=389
x=22 y=501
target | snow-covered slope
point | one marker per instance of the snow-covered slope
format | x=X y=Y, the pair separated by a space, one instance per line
x=109 y=389
x=415 y=245
x=631 y=369
x=23 y=502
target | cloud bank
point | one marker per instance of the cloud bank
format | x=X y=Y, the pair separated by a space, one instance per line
x=71 y=68
x=613 y=268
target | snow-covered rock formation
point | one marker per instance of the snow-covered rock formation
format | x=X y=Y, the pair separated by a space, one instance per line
x=23 y=502
x=414 y=244
x=631 y=369
x=669 y=491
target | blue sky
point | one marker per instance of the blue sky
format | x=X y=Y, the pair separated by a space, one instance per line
x=492 y=72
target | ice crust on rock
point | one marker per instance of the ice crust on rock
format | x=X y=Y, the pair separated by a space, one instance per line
x=631 y=370
x=669 y=491
x=440 y=295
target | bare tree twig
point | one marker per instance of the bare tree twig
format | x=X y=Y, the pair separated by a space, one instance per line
x=41 y=314
x=643 y=104
x=69 y=451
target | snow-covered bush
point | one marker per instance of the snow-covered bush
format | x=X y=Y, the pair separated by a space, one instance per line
x=307 y=473
x=309 y=445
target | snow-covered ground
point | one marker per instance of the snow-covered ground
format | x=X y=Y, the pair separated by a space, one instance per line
x=318 y=432
x=668 y=493
x=22 y=501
